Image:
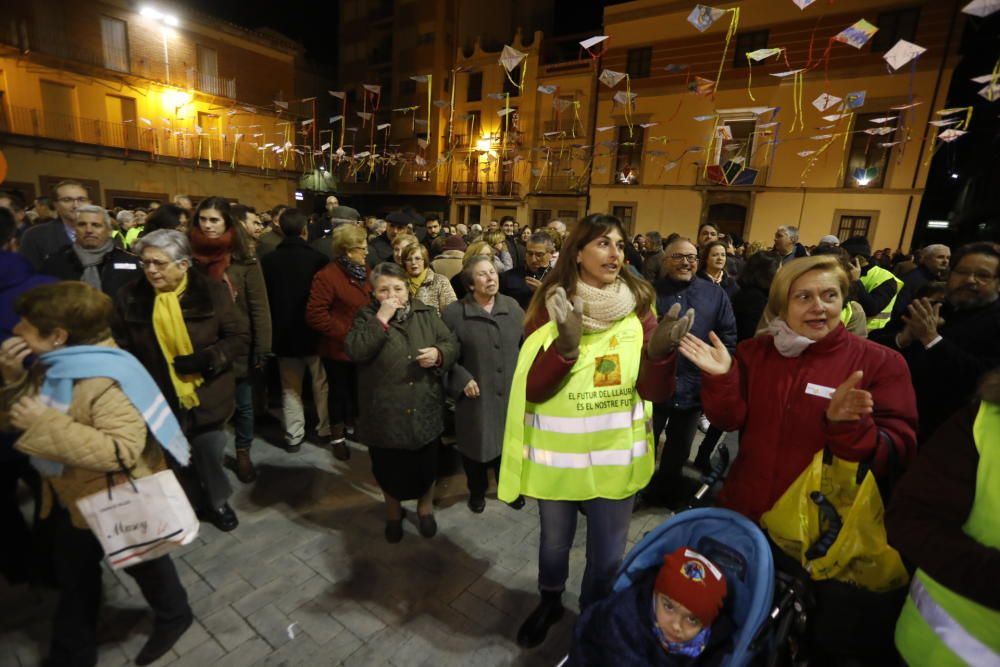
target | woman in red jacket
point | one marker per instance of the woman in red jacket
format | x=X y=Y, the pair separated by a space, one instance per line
x=338 y=292
x=804 y=385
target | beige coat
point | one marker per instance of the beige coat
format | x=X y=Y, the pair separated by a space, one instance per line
x=436 y=291
x=101 y=420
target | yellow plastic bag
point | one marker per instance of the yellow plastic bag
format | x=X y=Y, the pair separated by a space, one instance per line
x=860 y=555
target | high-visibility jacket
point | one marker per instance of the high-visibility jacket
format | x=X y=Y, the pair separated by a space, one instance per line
x=875 y=276
x=938 y=627
x=846 y=313
x=593 y=438
x=132 y=235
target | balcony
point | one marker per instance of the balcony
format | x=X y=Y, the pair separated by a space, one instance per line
x=132 y=140
x=560 y=183
x=503 y=189
x=213 y=85
x=467 y=188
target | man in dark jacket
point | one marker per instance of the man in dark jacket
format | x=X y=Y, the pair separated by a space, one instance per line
x=508 y=225
x=433 y=226
x=932 y=267
x=380 y=249
x=713 y=312
x=42 y=240
x=93 y=257
x=875 y=288
x=521 y=283
x=288 y=275
x=335 y=215
x=950 y=346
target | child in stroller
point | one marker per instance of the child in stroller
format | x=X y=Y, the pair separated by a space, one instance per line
x=626 y=629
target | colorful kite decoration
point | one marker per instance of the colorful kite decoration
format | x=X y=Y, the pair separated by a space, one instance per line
x=702 y=17
x=757 y=56
x=856 y=35
x=796 y=75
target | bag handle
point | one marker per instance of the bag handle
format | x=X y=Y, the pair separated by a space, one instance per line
x=109 y=477
x=863 y=466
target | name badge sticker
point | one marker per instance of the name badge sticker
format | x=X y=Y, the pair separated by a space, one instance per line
x=819 y=390
x=125 y=265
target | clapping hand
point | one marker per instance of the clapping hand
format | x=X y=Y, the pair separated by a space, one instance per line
x=849 y=404
x=713 y=359
x=923 y=320
x=568 y=317
x=669 y=332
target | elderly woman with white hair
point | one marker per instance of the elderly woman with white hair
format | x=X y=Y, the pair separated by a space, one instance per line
x=186 y=331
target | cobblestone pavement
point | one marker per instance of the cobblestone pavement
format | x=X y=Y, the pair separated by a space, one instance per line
x=308 y=579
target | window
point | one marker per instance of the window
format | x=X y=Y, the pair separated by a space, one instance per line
x=568 y=216
x=853 y=225
x=59 y=110
x=114 y=41
x=637 y=65
x=512 y=80
x=629 y=157
x=735 y=143
x=208 y=70
x=867 y=158
x=474 y=91
x=626 y=213
x=894 y=26
x=746 y=42
x=121 y=115
x=540 y=217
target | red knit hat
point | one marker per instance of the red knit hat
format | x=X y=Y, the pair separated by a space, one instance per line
x=692 y=580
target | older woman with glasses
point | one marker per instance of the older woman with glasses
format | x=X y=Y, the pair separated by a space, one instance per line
x=426 y=285
x=338 y=292
x=186 y=331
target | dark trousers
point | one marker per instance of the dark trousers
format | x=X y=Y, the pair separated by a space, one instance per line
x=76 y=557
x=17 y=563
x=243 y=415
x=607 y=534
x=204 y=481
x=342 y=378
x=681 y=424
x=476 y=474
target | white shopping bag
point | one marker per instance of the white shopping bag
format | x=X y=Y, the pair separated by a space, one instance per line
x=141 y=519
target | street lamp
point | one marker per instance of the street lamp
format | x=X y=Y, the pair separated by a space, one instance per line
x=166 y=21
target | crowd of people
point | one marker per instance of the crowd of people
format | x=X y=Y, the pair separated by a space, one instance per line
x=560 y=355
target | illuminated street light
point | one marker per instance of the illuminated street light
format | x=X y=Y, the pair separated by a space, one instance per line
x=166 y=21
x=484 y=145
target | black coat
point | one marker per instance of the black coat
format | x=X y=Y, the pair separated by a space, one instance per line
x=618 y=630
x=288 y=276
x=213 y=323
x=513 y=283
x=118 y=268
x=379 y=250
x=748 y=307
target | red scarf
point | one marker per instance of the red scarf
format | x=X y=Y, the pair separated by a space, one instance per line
x=213 y=255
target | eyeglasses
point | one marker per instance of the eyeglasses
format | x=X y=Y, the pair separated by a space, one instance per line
x=73 y=200
x=157 y=264
x=979 y=276
x=677 y=257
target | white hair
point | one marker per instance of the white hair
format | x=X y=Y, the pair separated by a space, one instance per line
x=99 y=210
x=793 y=232
x=173 y=243
x=125 y=217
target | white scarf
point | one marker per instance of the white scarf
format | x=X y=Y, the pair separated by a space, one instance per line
x=787 y=342
x=604 y=307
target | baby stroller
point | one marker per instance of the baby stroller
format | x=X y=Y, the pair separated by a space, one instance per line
x=736 y=546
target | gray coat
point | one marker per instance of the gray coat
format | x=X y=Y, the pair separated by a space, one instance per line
x=489 y=346
x=401 y=405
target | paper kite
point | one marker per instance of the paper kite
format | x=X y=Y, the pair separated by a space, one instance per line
x=560 y=104
x=856 y=35
x=702 y=86
x=879 y=131
x=802 y=4
x=855 y=100
x=825 y=101
x=504 y=112
x=983 y=79
x=511 y=58
x=605 y=128
x=791 y=72
x=372 y=88
x=950 y=135
x=647 y=125
x=902 y=53
x=945 y=123
x=610 y=78
x=337 y=93
x=761 y=54
x=548 y=90
x=821 y=137
x=702 y=17
x=702 y=119
x=981 y=8
x=591 y=42
x=990 y=92
x=805 y=153
x=621 y=97
x=419 y=78
x=903 y=107
x=881 y=119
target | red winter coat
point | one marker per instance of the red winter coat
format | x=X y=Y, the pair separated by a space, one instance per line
x=334 y=300
x=772 y=401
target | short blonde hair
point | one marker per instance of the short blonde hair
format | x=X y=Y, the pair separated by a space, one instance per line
x=777 y=299
x=345 y=237
x=415 y=248
x=478 y=248
x=494 y=237
x=403 y=239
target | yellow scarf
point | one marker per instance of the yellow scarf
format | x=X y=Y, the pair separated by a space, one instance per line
x=174 y=340
x=417 y=281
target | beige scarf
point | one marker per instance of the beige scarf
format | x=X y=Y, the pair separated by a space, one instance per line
x=603 y=307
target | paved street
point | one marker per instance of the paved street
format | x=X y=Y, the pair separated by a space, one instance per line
x=308 y=579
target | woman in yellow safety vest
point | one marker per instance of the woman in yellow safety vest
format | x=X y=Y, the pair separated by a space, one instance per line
x=945 y=519
x=577 y=430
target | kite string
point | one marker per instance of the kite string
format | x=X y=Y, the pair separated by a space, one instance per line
x=733 y=23
x=847 y=133
x=628 y=104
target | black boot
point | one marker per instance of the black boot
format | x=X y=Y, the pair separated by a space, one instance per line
x=162 y=639
x=548 y=612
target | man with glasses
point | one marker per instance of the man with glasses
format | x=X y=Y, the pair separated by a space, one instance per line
x=950 y=346
x=520 y=283
x=713 y=312
x=93 y=256
x=41 y=241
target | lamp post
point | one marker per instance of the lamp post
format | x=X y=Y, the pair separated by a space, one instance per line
x=165 y=21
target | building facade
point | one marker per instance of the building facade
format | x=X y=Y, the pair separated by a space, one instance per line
x=140 y=104
x=827 y=175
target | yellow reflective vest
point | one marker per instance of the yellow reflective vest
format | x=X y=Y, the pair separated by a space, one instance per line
x=875 y=276
x=938 y=627
x=593 y=438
